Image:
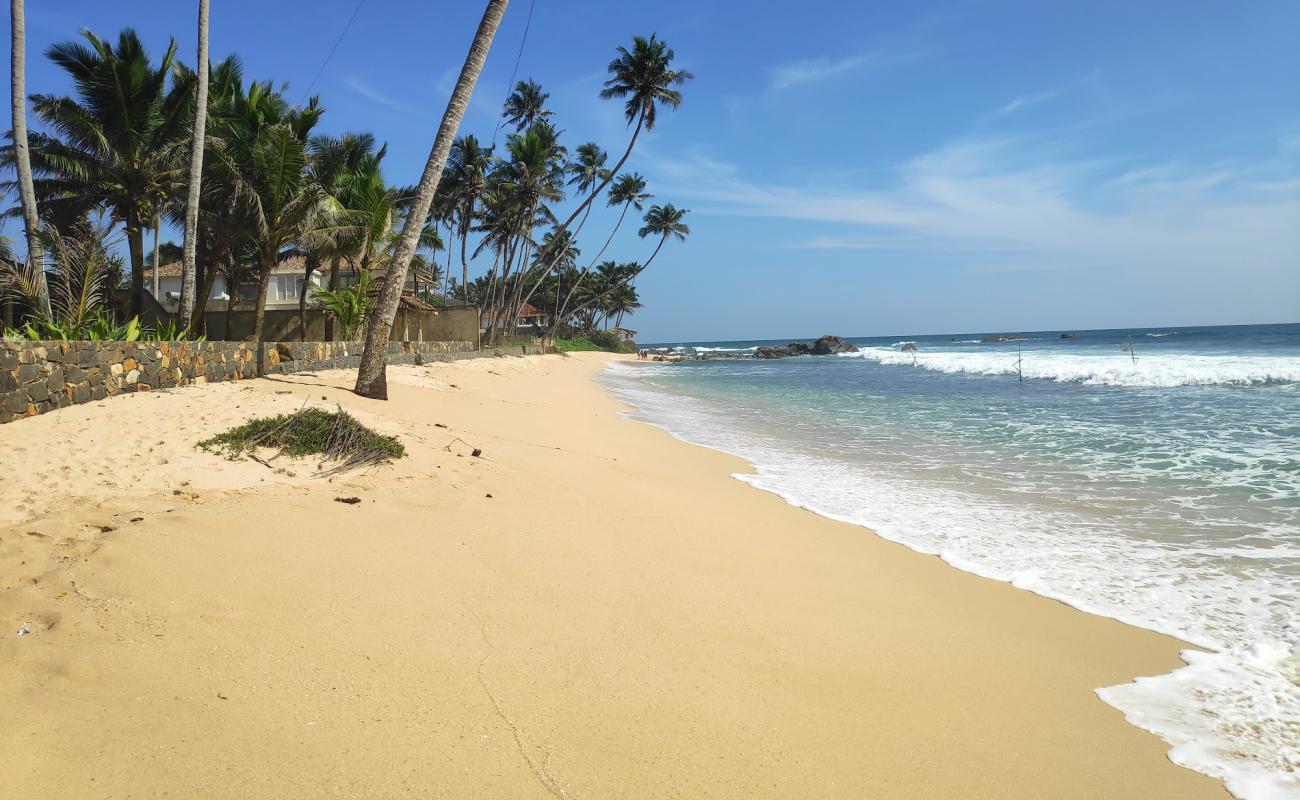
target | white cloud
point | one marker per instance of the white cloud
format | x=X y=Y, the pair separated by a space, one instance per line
x=818 y=69
x=1009 y=196
x=1029 y=100
x=375 y=96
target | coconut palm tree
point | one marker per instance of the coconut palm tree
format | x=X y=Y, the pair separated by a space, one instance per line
x=221 y=227
x=622 y=300
x=467 y=170
x=587 y=170
x=665 y=222
x=22 y=157
x=116 y=144
x=526 y=105
x=645 y=77
x=189 y=261
x=371 y=374
x=629 y=192
x=285 y=203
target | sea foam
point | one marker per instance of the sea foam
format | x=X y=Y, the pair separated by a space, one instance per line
x=1117 y=369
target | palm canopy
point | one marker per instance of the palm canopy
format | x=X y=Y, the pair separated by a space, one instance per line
x=588 y=167
x=117 y=144
x=629 y=189
x=526 y=105
x=644 y=75
x=665 y=221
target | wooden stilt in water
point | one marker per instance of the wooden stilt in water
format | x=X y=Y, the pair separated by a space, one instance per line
x=1131 y=352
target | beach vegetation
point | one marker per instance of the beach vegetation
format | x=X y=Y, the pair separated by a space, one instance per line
x=142 y=140
x=336 y=436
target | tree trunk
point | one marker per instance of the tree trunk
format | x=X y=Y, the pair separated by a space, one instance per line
x=22 y=156
x=464 y=263
x=640 y=120
x=232 y=281
x=610 y=290
x=312 y=264
x=333 y=286
x=208 y=277
x=157 y=250
x=135 y=245
x=186 y=315
x=560 y=311
x=259 y=314
x=371 y=375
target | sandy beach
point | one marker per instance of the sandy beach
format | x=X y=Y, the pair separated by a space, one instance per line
x=591 y=609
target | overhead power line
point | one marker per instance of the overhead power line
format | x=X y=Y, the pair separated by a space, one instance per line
x=515 y=72
x=330 y=54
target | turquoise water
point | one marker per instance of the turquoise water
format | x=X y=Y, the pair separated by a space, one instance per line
x=1158 y=485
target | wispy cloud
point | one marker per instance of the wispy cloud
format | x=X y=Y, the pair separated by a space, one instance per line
x=814 y=70
x=1022 y=198
x=1029 y=100
x=375 y=96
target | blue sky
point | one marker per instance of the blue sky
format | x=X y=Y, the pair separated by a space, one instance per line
x=861 y=168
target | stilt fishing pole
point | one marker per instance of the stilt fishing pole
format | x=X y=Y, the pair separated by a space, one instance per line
x=1131 y=352
x=1020 y=364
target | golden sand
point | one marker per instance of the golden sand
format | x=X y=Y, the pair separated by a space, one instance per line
x=592 y=609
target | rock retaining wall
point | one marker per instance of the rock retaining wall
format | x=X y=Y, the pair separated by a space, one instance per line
x=36 y=377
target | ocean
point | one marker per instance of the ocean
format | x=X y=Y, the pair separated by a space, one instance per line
x=1158 y=485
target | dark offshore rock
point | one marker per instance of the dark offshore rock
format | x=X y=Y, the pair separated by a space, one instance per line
x=825 y=346
x=831 y=345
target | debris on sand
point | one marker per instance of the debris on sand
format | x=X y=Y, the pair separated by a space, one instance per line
x=342 y=442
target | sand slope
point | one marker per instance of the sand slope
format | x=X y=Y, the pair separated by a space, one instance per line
x=620 y=618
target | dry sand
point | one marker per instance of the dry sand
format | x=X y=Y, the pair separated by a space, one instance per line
x=590 y=610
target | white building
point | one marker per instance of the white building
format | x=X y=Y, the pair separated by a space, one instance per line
x=282 y=293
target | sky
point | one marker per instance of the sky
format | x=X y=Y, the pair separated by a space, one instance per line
x=858 y=168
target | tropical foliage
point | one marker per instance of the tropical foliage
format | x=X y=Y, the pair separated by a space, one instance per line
x=115 y=157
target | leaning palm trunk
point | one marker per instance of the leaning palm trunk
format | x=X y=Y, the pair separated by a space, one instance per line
x=561 y=309
x=372 y=379
x=631 y=276
x=22 y=156
x=187 y=316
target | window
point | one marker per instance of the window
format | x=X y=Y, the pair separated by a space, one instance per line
x=284 y=288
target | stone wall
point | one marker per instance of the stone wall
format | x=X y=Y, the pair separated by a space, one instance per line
x=36 y=377
x=451 y=324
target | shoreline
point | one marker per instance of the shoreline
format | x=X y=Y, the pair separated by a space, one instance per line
x=619 y=618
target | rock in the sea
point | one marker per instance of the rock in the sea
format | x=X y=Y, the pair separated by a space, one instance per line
x=831 y=345
x=825 y=346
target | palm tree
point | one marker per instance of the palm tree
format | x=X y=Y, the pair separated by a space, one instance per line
x=526 y=105
x=646 y=78
x=532 y=176
x=622 y=301
x=372 y=380
x=467 y=169
x=22 y=157
x=189 y=268
x=665 y=222
x=221 y=228
x=629 y=192
x=587 y=169
x=284 y=203
x=116 y=145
